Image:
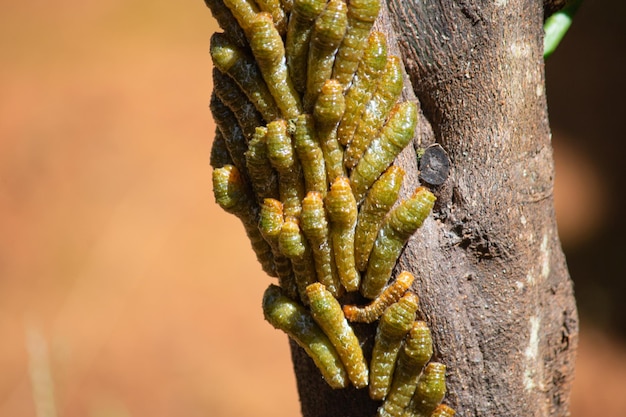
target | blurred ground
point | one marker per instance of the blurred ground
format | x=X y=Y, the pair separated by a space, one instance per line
x=124 y=290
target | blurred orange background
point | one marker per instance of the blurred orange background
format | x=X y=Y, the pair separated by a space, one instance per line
x=124 y=290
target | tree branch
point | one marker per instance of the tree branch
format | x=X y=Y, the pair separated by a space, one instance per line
x=491 y=276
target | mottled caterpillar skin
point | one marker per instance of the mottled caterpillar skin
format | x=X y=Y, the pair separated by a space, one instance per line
x=342 y=211
x=395 y=323
x=231 y=132
x=417 y=351
x=431 y=388
x=370 y=313
x=310 y=154
x=397 y=228
x=327 y=313
x=263 y=177
x=234 y=197
x=315 y=228
x=244 y=12
x=376 y=111
x=381 y=152
x=330 y=27
x=227 y=22
x=370 y=68
x=443 y=410
x=231 y=95
x=361 y=17
x=241 y=67
x=287 y=315
x=328 y=110
x=283 y=159
x=275 y=9
x=378 y=201
x=271 y=220
x=299 y=32
x=270 y=226
x=269 y=51
x=293 y=245
x=219 y=151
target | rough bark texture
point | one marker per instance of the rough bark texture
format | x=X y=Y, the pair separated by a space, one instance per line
x=491 y=276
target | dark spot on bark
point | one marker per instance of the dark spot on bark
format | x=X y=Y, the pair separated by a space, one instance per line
x=434 y=165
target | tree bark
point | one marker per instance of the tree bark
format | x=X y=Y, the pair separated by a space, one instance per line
x=491 y=275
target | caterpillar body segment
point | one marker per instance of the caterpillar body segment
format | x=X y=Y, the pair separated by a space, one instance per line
x=363 y=86
x=431 y=388
x=300 y=29
x=394 y=325
x=289 y=316
x=342 y=211
x=378 y=201
x=391 y=294
x=381 y=152
x=316 y=229
x=361 y=17
x=417 y=351
x=376 y=111
x=269 y=51
x=397 y=228
x=326 y=312
x=329 y=30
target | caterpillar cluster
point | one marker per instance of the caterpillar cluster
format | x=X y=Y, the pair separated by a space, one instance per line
x=308 y=123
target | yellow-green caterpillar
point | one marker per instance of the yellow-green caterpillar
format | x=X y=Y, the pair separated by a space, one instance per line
x=271 y=222
x=443 y=410
x=399 y=225
x=378 y=201
x=269 y=51
x=330 y=27
x=328 y=111
x=342 y=211
x=310 y=153
x=390 y=295
x=327 y=313
x=315 y=228
x=263 y=177
x=394 y=136
x=431 y=388
x=375 y=111
x=275 y=9
x=417 y=351
x=371 y=66
x=244 y=12
x=361 y=17
x=293 y=245
x=394 y=325
x=299 y=33
x=287 y=315
x=282 y=157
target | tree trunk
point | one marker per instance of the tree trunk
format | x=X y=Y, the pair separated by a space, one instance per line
x=491 y=276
